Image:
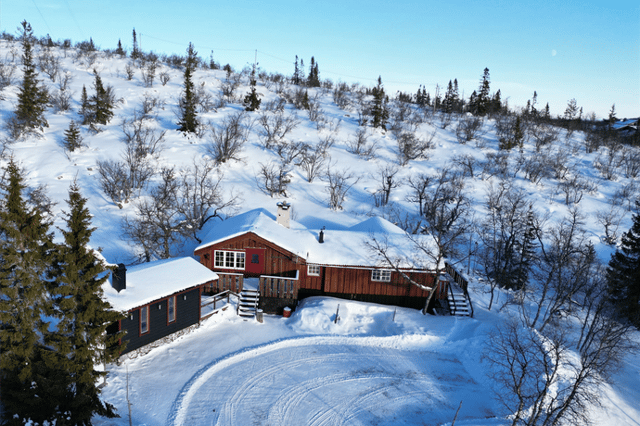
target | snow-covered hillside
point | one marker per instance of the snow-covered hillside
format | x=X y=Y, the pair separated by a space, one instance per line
x=367 y=369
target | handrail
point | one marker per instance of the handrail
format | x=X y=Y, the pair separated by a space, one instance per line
x=462 y=282
x=216 y=298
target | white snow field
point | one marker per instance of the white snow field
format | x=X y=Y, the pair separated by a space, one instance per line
x=306 y=370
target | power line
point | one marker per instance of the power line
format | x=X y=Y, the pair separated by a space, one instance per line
x=41 y=15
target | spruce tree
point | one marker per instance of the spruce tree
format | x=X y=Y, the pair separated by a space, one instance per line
x=72 y=137
x=251 y=100
x=482 y=102
x=135 y=52
x=79 y=340
x=26 y=250
x=33 y=98
x=187 y=104
x=296 y=72
x=379 y=110
x=623 y=273
x=119 y=50
x=100 y=103
x=85 y=110
x=314 y=74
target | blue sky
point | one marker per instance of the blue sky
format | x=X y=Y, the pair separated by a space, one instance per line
x=587 y=50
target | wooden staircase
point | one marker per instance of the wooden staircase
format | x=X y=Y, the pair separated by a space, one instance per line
x=458 y=302
x=248 y=303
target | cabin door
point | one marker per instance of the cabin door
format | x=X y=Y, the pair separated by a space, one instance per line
x=255 y=261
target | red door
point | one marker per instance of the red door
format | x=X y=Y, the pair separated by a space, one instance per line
x=255 y=261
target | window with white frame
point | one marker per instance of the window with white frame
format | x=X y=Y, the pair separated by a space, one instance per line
x=381 y=275
x=313 y=270
x=229 y=259
x=171 y=309
x=144 y=319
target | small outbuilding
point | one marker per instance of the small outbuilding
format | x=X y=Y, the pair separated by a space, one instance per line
x=159 y=299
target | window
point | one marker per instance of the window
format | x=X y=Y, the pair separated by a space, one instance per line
x=313 y=270
x=229 y=259
x=255 y=258
x=144 y=320
x=171 y=309
x=381 y=275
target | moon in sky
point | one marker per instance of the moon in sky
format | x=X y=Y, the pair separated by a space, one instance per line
x=553 y=52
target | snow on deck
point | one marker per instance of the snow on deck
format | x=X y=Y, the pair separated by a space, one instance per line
x=154 y=280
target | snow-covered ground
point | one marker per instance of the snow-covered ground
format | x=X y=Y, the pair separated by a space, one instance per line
x=366 y=369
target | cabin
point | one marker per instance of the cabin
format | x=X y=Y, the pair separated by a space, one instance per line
x=160 y=299
x=284 y=261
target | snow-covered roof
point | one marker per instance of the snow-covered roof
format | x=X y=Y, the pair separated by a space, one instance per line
x=154 y=280
x=345 y=247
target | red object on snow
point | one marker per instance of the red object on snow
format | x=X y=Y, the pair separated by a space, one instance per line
x=286 y=312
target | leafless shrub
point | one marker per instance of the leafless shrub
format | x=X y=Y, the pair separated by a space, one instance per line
x=340 y=95
x=149 y=71
x=411 y=147
x=150 y=103
x=629 y=160
x=120 y=180
x=6 y=74
x=607 y=163
x=61 y=97
x=610 y=219
x=164 y=78
x=275 y=106
x=626 y=195
x=543 y=134
x=49 y=64
x=227 y=139
x=316 y=113
x=273 y=178
x=289 y=151
x=204 y=99
x=496 y=164
x=360 y=145
x=387 y=182
x=142 y=138
x=312 y=161
x=468 y=128
x=275 y=127
x=466 y=163
x=229 y=86
x=129 y=71
x=339 y=182
x=201 y=197
x=574 y=188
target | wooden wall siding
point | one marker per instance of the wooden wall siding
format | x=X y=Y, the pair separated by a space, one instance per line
x=233 y=282
x=277 y=262
x=358 y=281
x=187 y=313
x=284 y=288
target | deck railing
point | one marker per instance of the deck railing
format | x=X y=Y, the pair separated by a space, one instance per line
x=229 y=281
x=280 y=287
x=461 y=281
x=215 y=301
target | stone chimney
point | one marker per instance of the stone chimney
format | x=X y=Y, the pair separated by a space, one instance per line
x=284 y=214
x=119 y=278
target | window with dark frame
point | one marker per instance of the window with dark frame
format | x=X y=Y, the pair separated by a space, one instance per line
x=313 y=270
x=171 y=309
x=383 y=275
x=144 y=319
x=255 y=258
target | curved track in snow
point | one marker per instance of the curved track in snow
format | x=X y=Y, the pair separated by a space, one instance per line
x=329 y=380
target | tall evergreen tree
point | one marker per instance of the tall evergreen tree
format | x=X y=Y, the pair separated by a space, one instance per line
x=481 y=103
x=623 y=273
x=314 y=74
x=379 y=110
x=33 y=98
x=85 y=111
x=79 y=340
x=296 y=72
x=119 y=50
x=251 y=100
x=188 y=120
x=100 y=103
x=135 y=51
x=26 y=249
